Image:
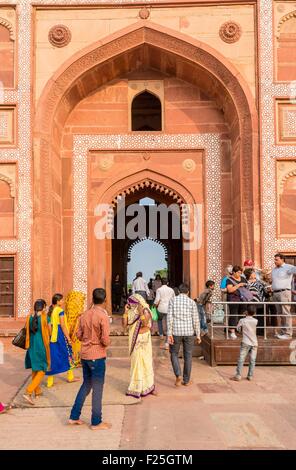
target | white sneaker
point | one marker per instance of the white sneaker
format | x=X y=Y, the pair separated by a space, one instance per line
x=283 y=337
x=232 y=336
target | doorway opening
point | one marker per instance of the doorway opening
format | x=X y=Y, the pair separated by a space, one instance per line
x=146 y=112
x=7 y=286
x=148 y=256
x=140 y=251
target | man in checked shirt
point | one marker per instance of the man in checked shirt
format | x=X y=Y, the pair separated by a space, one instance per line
x=182 y=324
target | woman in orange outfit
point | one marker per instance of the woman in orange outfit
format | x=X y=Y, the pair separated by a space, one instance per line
x=38 y=350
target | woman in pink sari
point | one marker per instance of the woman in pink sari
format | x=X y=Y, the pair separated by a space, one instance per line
x=3 y=407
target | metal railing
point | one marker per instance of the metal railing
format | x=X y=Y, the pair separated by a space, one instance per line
x=265 y=327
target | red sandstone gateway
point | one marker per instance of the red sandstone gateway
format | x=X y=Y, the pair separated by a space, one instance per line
x=162 y=103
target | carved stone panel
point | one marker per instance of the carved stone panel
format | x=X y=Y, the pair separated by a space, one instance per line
x=7 y=126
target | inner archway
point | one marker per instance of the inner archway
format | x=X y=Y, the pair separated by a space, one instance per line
x=152 y=226
x=149 y=257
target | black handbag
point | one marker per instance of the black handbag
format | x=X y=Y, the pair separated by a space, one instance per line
x=20 y=339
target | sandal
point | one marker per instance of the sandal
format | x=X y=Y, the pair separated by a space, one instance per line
x=76 y=422
x=29 y=399
x=76 y=379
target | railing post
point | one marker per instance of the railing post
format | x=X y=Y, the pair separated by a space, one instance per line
x=226 y=318
x=264 y=318
x=212 y=327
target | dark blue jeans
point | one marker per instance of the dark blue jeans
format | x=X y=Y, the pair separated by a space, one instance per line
x=93 y=379
x=202 y=318
x=188 y=343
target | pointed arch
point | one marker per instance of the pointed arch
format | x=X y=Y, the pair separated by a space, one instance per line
x=129 y=183
x=170 y=52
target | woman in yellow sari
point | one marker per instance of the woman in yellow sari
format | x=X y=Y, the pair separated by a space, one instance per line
x=137 y=318
x=61 y=354
x=74 y=307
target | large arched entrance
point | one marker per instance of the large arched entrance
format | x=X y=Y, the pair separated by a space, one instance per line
x=166 y=224
x=140 y=51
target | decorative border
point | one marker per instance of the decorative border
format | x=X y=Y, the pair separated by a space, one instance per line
x=270 y=151
x=22 y=97
x=83 y=143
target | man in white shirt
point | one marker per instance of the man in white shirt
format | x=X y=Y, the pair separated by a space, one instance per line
x=282 y=276
x=163 y=296
x=140 y=286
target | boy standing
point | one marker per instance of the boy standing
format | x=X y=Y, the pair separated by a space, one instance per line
x=249 y=344
x=204 y=305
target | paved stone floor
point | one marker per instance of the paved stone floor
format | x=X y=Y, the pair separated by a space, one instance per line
x=214 y=413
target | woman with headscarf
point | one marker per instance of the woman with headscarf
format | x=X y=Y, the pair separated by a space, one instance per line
x=38 y=351
x=60 y=342
x=74 y=307
x=137 y=318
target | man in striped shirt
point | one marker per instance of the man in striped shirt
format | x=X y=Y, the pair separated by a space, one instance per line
x=182 y=324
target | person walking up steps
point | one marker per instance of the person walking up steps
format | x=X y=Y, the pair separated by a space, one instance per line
x=140 y=286
x=163 y=296
x=205 y=306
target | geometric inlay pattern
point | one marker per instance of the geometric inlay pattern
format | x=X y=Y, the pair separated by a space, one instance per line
x=146 y=142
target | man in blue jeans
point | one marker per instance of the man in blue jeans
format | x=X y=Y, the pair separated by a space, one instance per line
x=93 y=332
x=249 y=344
x=182 y=325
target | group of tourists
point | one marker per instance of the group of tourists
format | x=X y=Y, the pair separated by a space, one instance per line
x=251 y=284
x=49 y=345
x=58 y=339
x=182 y=327
x=52 y=340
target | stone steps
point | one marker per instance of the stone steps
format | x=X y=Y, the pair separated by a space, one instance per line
x=119 y=342
x=119 y=348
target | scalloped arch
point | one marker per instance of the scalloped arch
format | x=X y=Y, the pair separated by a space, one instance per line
x=283 y=20
x=10 y=183
x=149 y=184
x=136 y=242
x=4 y=22
x=285 y=178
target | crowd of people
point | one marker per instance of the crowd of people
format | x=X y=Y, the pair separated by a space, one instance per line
x=56 y=342
x=251 y=284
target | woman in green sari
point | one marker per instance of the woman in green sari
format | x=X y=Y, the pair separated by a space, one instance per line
x=137 y=318
x=38 y=352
